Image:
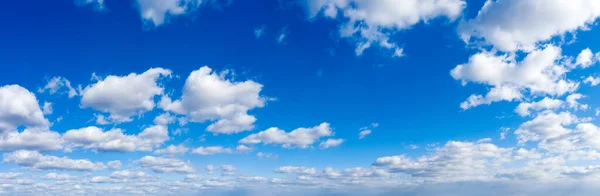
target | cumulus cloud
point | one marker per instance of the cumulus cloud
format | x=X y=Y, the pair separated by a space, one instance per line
x=539 y=73
x=511 y=25
x=35 y=160
x=330 y=143
x=524 y=108
x=159 y=12
x=209 y=96
x=298 y=138
x=172 y=150
x=296 y=170
x=19 y=107
x=210 y=150
x=30 y=139
x=124 y=96
x=374 y=22
x=455 y=161
x=593 y=81
x=115 y=140
x=364 y=131
x=165 y=165
x=116 y=164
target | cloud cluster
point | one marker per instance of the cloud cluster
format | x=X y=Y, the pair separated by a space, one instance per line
x=210 y=96
x=298 y=138
x=374 y=22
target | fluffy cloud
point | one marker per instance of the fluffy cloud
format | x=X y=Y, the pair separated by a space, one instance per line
x=455 y=161
x=331 y=143
x=35 y=160
x=55 y=84
x=114 y=164
x=165 y=165
x=124 y=96
x=30 y=139
x=300 y=138
x=524 y=108
x=373 y=22
x=19 y=107
x=511 y=25
x=547 y=125
x=158 y=12
x=172 y=150
x=574 y=104
x=114 y=140
x=210 y=96
x=593 y=81
x=210 y=150
x=296 y=170
x=540 y=72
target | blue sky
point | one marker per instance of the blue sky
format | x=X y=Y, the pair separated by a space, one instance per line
x=472 y=92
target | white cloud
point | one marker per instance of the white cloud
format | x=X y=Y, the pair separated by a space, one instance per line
x=300 y=138
x=210 y=96
x=210 y=150
x=374 y=22
x=331 y=143
x=124 y=96
x=19 y=107
x=57 y=83
x=165 y=165
x=364 y=133
x=98 y=4
x=35 y=160
x=593 y=81
x=172 y=150
x=455 y=161
x=10 y=175
x=524 y=109
x=116 y=164
x=243 y=149
x=58 y=177
x=297 y=170
x=282 y=36
x=511 y=25
x=547 y=125
x=227 y=168
x=573 y=104
x=539 y=73
x=586 y=58
x=30 y=139
x=259 y=31
x=47 y=108
x=114 y=140
x=266 y=155
x=164 y=119
x=158 y=12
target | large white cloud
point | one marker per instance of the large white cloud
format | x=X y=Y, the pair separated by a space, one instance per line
x=19 y=107
x=115 y=140
x=298 y=138
x=124 y=96
x=30 y=139
x=511 y=25
x=539 y=73
x=35 y=160
x=373 y=22
x=455 y=161
x=210 y=96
